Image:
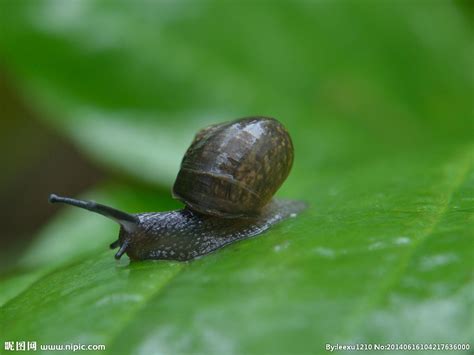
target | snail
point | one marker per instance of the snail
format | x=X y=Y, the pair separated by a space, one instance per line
x=227 y=180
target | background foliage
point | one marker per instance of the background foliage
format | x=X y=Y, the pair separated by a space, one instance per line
x=378 y=99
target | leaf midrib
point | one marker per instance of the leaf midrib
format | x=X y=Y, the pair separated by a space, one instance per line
x=376 y=297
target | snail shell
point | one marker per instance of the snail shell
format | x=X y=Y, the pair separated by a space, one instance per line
x=233 y=169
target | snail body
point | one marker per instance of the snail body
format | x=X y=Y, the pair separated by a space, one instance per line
x=227 y=179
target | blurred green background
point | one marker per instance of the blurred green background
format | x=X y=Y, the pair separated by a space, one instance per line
x=100 y=99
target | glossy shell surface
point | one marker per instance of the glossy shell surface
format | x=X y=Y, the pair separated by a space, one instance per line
x=233 y=169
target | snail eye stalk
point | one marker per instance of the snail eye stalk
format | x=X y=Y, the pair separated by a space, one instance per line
x=128 y=221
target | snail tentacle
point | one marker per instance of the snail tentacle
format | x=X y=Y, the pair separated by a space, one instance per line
x=128 y=221
x=122 y=250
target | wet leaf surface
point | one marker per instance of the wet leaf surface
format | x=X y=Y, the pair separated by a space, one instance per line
x=380 y=111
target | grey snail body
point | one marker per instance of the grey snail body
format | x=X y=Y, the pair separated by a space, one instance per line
x=227 y=179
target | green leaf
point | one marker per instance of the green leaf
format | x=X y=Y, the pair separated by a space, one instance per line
x=378 y=257
x=61 y=243
x=131 y=83
x=380 y=111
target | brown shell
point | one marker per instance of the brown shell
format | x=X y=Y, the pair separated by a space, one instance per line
x=233 y=169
